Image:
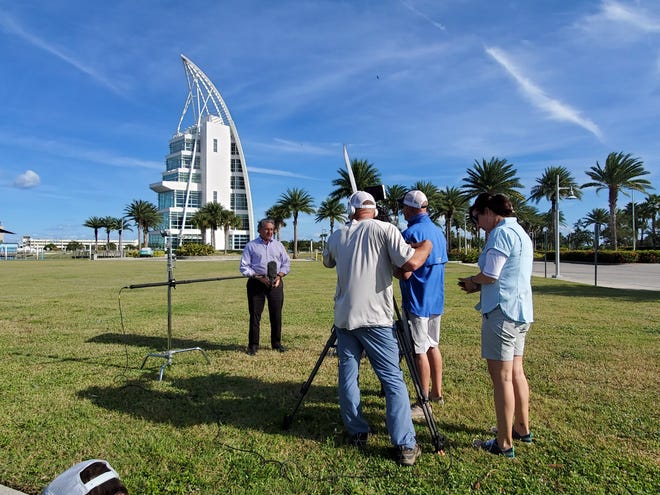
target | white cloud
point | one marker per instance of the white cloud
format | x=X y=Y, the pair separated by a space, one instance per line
x=551 y=106
x=283 y=173
x=77 y=151
x=435 y=23
x=637 y=17
x=27 y=180
x=13 y=27
x=288 y=146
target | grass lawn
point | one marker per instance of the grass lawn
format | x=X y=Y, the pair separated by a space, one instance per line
x=72 y=343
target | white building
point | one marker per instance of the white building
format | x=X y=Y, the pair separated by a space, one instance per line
x=211 y=148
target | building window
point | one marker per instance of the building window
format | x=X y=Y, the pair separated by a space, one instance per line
x=237 y=182
x=194 y=199
x=215 y=196
x=165 y=200
x=238 y=202
x=234 y=149
x=236 y=165
x=215 y=146
x=245 y=222
x=238 y=241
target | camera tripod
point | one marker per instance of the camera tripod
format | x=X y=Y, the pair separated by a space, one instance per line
x=406 y=348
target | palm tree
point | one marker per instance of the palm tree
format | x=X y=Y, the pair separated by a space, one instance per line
x=651 y=210
x=228 y=221
x=200 y=220
x=109 y=224
x=331 y=209
x=214 y=212
x=365 y=173
x=492 y=176
x=95 y=223
x=296 y=201
x=278 y=214
x=531 y=220
x=145 y=215
x=121 y=225
x=394 y=194
x=597 y=216
x=433 y=195
x=453 y=202
x=546 y=187
x=621 y=171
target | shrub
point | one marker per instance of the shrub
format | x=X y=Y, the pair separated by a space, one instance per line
x=650 y=256
x=195 y=250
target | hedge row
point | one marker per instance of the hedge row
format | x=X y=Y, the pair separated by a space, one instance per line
x=581 y=256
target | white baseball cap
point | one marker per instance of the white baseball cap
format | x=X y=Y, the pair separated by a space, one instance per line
x=362 y=199
x=415 y=199
x=70 y=483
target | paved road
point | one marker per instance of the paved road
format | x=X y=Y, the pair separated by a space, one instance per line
x=638 y=276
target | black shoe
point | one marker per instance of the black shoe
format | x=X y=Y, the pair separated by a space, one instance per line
x=279 y=348
x=251 y=351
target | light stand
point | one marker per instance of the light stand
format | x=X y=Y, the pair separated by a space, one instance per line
x=172 y=283
x=557 y=237
x=169 y=353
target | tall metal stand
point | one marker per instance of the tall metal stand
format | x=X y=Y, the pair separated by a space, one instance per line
x=169 y=353
x=404 y=338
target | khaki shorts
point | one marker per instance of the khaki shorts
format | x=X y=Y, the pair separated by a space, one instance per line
x=502 y=338
x=425 y=332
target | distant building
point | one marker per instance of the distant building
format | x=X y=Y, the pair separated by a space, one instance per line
x=30 y=242
x=205 y=164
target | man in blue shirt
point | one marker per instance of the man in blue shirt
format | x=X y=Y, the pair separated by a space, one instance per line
x=264 y=284
x=423 y=296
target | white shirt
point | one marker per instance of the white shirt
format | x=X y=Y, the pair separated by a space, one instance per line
x=364 y=253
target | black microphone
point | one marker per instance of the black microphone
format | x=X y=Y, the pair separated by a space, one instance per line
x=271 y=272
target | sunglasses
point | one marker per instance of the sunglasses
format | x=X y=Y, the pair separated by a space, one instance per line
x=474 y=217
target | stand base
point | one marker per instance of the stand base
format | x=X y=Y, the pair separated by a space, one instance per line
x=168 y=355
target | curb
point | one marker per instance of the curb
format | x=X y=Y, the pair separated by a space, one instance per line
x=4 y=490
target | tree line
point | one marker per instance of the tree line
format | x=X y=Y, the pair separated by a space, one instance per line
x=621 y=173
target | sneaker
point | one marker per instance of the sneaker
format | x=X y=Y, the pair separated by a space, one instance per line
x=438 y=401
x=406 y=456
x=417 y=411
x=529 y=438
x=491 y=447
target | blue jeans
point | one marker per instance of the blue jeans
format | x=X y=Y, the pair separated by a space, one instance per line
x=382 y=349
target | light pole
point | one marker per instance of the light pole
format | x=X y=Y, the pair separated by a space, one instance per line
x=323 y=236
x=632 y=191
x=570 y=196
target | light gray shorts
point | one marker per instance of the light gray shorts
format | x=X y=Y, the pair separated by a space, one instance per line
x=502 y=338
x=425 y=332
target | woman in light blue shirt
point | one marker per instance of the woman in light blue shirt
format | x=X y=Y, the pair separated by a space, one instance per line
x=505 y=302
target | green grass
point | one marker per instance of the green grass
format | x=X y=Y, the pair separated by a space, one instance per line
x=71 y=388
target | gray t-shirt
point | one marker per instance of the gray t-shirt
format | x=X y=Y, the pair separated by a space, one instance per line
x=364 y=253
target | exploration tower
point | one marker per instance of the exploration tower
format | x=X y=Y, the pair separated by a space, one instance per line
x=205 y=164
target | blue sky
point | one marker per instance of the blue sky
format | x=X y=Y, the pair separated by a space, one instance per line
x=92 y=92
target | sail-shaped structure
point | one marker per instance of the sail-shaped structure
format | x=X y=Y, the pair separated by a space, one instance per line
x=205 y=164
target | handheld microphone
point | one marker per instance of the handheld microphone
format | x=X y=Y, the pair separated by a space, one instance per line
x=271 y=272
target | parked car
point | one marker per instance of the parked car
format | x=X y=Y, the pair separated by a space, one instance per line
x=146 y=252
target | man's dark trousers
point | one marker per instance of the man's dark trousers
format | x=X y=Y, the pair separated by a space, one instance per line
x=258 y=293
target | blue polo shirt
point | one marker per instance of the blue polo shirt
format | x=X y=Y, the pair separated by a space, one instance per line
x=423 y=293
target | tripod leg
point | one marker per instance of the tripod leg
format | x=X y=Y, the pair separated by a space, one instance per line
x=288 y=420
x=404 y=337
